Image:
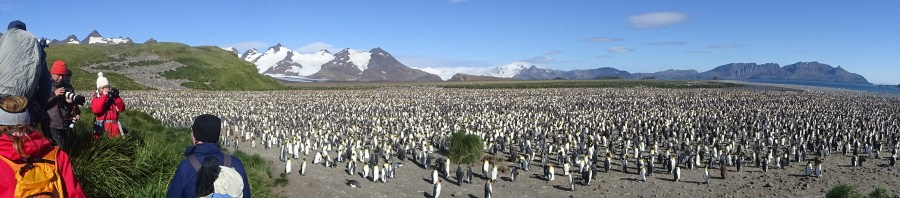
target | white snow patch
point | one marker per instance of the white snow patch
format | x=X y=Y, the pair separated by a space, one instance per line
x=295 y=78
x=252 y=56
x=270 y=58
x=311 y=63
x=360 y=59
x=101 y=40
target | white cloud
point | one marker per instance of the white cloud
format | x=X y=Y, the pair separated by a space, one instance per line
x=540 y=59
x=447 y=72
x=601 y=39
x=554 y=52
x=656 y=19
x=244 y=46
x=667 y=43
x=544 y=58
x=697 y=52
x=619 y=49
x=315 y=47
x=504 y=70
x=727 y=45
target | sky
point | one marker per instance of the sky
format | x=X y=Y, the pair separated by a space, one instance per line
x=636 y=36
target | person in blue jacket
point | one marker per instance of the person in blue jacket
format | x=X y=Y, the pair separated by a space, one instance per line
x=205 y=135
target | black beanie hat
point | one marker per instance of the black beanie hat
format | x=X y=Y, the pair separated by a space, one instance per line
x=16 y=24
x=207 y=128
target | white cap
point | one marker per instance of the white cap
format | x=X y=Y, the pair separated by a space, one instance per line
x=101 y=81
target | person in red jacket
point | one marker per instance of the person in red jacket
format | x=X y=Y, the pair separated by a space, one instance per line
x=20 y=141
x=106 y=106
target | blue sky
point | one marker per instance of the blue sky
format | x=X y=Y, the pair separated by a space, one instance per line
x=637 y=36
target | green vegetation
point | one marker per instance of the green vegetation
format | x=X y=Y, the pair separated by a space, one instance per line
x=465 y=148
x=594 y=84
x=77 y=56
x=142 y=163
x=146 y=63
x=209 y=68
x=608 y=78
x=847 y=191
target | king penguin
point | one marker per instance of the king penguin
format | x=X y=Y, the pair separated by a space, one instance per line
x=706 y=175
x=437 y=188
x=287 y=167
x=485 y=167
x=809 y=169
x=303 y=167
x=513 y=174
x=376 y=173
x=608 y=164
x=550 y=173
x=365 y=169
x=494 y=172
x=351 y=167
x=469 y=174
x=677 y=173
x=446 y=168
x=434 y=175
x=488 y=189
x=819 y=170
x=587 y=176
x=892 y=161
x=643 y=173
x=571 y=182
x=459 y=175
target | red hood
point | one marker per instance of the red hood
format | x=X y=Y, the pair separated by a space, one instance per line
x=35 y=145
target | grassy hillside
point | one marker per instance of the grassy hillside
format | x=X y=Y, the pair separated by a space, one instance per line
x=143 y=162
x=207 y=67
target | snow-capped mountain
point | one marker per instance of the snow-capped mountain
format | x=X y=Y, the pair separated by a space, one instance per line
x=282 y=60
x=232 y=50
x=347 y=65
x=72 y=39
x=251 y=55
x=95 y=38
x=503 y=71
x=510 y=70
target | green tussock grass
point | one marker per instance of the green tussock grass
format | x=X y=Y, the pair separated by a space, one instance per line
x=142 y=163
x=465 y=148
x=848 y=191
x=207 y=67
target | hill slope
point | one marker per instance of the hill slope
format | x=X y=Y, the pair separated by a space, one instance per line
x=160 y=66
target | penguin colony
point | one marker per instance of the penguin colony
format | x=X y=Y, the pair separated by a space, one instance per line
x=581 y=132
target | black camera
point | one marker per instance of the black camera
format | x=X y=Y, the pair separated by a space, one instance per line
x=112 y=93
x=70 y=94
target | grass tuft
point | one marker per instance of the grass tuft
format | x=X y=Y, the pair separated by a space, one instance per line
x=142 y=163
